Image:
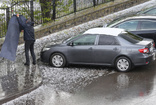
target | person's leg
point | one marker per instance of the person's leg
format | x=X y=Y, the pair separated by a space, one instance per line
x=32 y=52
x=27 y=48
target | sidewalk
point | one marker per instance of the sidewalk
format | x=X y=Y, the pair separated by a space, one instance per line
x=17 y=79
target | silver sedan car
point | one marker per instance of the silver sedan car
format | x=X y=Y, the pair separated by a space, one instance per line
x=102 y=46
x=144 y=26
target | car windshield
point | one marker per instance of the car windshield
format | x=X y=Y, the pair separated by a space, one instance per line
x=131 y=37
x=149 y=11
x=71 y=38
x=116 y=20
x=112 y=22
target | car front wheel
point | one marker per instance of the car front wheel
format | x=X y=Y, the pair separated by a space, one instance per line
x=123 y=64
x=57 y=60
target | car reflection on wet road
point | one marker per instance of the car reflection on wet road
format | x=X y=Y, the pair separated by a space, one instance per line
x=119 y=89
x=93 y=85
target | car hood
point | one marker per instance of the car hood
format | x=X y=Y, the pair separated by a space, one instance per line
x=52 y=44
x=56 y=45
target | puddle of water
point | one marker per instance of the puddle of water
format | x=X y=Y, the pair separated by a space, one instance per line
x=15 y=78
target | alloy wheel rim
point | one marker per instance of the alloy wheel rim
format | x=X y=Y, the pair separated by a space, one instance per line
x=57 y=61
x=123 y=64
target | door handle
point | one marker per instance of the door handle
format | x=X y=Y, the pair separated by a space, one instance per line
x=115 y=49
x=90 y=48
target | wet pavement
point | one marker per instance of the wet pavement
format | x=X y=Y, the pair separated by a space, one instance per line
x=104 y=86
x=133 y=88
x=92 y=85
x=17 y=79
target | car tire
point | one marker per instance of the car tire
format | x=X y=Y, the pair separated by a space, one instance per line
x=123 y=64
x=57 y=60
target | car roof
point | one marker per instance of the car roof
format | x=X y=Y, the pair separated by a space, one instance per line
x=133 y=17
x=142 y=17
x=105 y=31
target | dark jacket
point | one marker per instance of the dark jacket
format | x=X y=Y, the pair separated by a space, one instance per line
x=28 y=29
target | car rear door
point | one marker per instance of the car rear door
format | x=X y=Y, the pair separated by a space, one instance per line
x=106 y=49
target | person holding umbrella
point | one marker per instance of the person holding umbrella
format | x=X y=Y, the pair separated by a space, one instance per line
x=29 y=38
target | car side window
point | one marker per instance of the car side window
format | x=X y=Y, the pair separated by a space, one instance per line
x=148 y=25
x=85 y=40
x=107 y=40
x=128 y=25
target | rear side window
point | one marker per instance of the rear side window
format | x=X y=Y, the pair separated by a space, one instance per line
x=131 y=37
x=148 y=25
x=107 y=40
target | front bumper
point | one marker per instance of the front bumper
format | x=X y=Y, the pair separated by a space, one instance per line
x=44 y=56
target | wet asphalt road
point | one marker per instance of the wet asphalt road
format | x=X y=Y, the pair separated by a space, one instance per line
x=134 y=88
x=107 y=87
x=92 y=85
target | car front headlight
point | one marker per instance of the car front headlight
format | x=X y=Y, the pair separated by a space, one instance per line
x=45 y=49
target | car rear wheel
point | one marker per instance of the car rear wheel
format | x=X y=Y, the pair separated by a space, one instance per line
x=57 y=60
x=123 y=64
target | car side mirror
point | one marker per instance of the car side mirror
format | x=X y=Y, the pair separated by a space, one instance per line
x=71 y=44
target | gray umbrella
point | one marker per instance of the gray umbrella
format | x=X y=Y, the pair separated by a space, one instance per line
x=10 y=44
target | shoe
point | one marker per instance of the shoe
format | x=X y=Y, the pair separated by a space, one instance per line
x=34 y=63
x=26 y=64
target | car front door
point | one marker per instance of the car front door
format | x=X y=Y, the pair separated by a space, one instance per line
x=81 y=49
x=106 y=50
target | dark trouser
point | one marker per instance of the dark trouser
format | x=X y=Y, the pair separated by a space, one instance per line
x=29 y=45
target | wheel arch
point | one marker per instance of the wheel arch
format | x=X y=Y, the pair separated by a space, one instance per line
x=59 y=53
x=122 y=56
x=131 y=65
